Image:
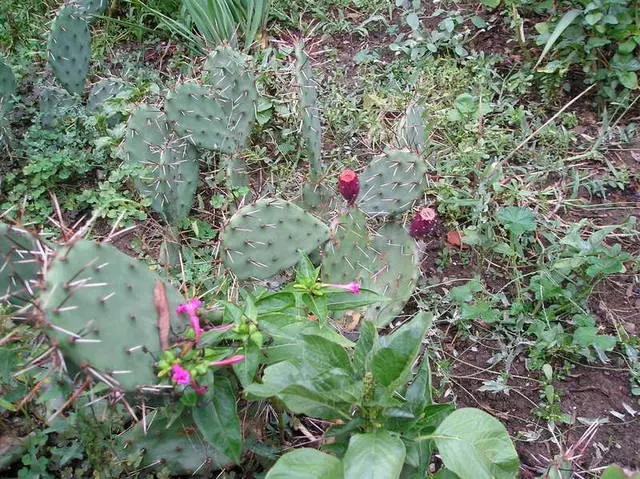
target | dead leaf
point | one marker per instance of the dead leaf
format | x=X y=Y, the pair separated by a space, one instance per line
x=161 y=303
x=355 y=320
x=454 y=239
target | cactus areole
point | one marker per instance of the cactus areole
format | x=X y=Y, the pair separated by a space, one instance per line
x=349 y=186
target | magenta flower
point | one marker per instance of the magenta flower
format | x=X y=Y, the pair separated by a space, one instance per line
x=190 y=308
x=180 y=375
x=232 y=360
x=352 y=287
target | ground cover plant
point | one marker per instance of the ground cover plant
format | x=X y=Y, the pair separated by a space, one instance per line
x=387 y=239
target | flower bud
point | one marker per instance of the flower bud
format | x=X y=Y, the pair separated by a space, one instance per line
x=423 y=223
x=349 y=186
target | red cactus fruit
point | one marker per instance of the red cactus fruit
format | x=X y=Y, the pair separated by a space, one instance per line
x=349 y=186
x=423 y=223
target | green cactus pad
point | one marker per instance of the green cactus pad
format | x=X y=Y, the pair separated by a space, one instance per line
x=264 y=238
x=7 y=87
x=228 y=71
x=70 y=48
x=20 y=264
x=319 y=198
x=169 y=176
x=90 y=7
x=207 y=120
x=412 y=133
x=237 y=174
x=103 y=91
x=347 y=250
x=176 y=445
x=100 y=307
x=391 y=183
x=311 y=121
x=392 y=272
x=55 y=104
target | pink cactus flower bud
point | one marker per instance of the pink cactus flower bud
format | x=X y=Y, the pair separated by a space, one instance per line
x=197 y=388
x=232 y=360
x=349 y=186
x=180 y=375
x=352 y=287
x=423 y=223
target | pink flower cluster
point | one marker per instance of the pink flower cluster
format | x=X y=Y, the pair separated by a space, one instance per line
x=352 y=287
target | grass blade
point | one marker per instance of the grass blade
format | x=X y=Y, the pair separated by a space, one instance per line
x=566 y=20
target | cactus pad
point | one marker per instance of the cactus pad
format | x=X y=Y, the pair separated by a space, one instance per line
x=90 y=7
x=7 y=86
x=170 y=167
x=264 y=238
x=311 y=121
x=207 y=120
x=70 y=48
x=319 y=198
x=175 y=445
x=20 y=262
x=103 y=91
x=100 y=307
x=391 y=183
x=347 y=250
x=392 y=272
x=412 y=133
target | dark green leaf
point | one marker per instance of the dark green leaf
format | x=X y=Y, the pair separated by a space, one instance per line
x=396 y=353
x=218 y=420
x=364 y=346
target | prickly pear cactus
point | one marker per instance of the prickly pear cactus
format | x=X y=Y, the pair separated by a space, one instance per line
x=103 y=91
x=7 y=87
x=347 y=253
x=55 y=104
x=20 y=264
x=102 y=308
x=311 y=121
x=392 y=272
x=385 y=262
x=412 y=133
x=175 y=445
x=319 y=198
x=170 y=164
x=206 y=119
x=90 y=7
x=265 y=237
x=229 y=72
x=391 y=183
x=69 y=48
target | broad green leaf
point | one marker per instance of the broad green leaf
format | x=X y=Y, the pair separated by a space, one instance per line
x=306 y=463
x=345 y=301
x=464 y=293
x=413 y=21
x=246 y=370
x=628 y=79
x=475 y=445
x=396 y=352
x=616 y=472
x=517 y=220
x=491 y=3
x=566 y=20
x=374 y=456
x=419 y=395
x=466 y=103
x=218 y=420
x=366 y=342
x=317 y=305
x=445 y=474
